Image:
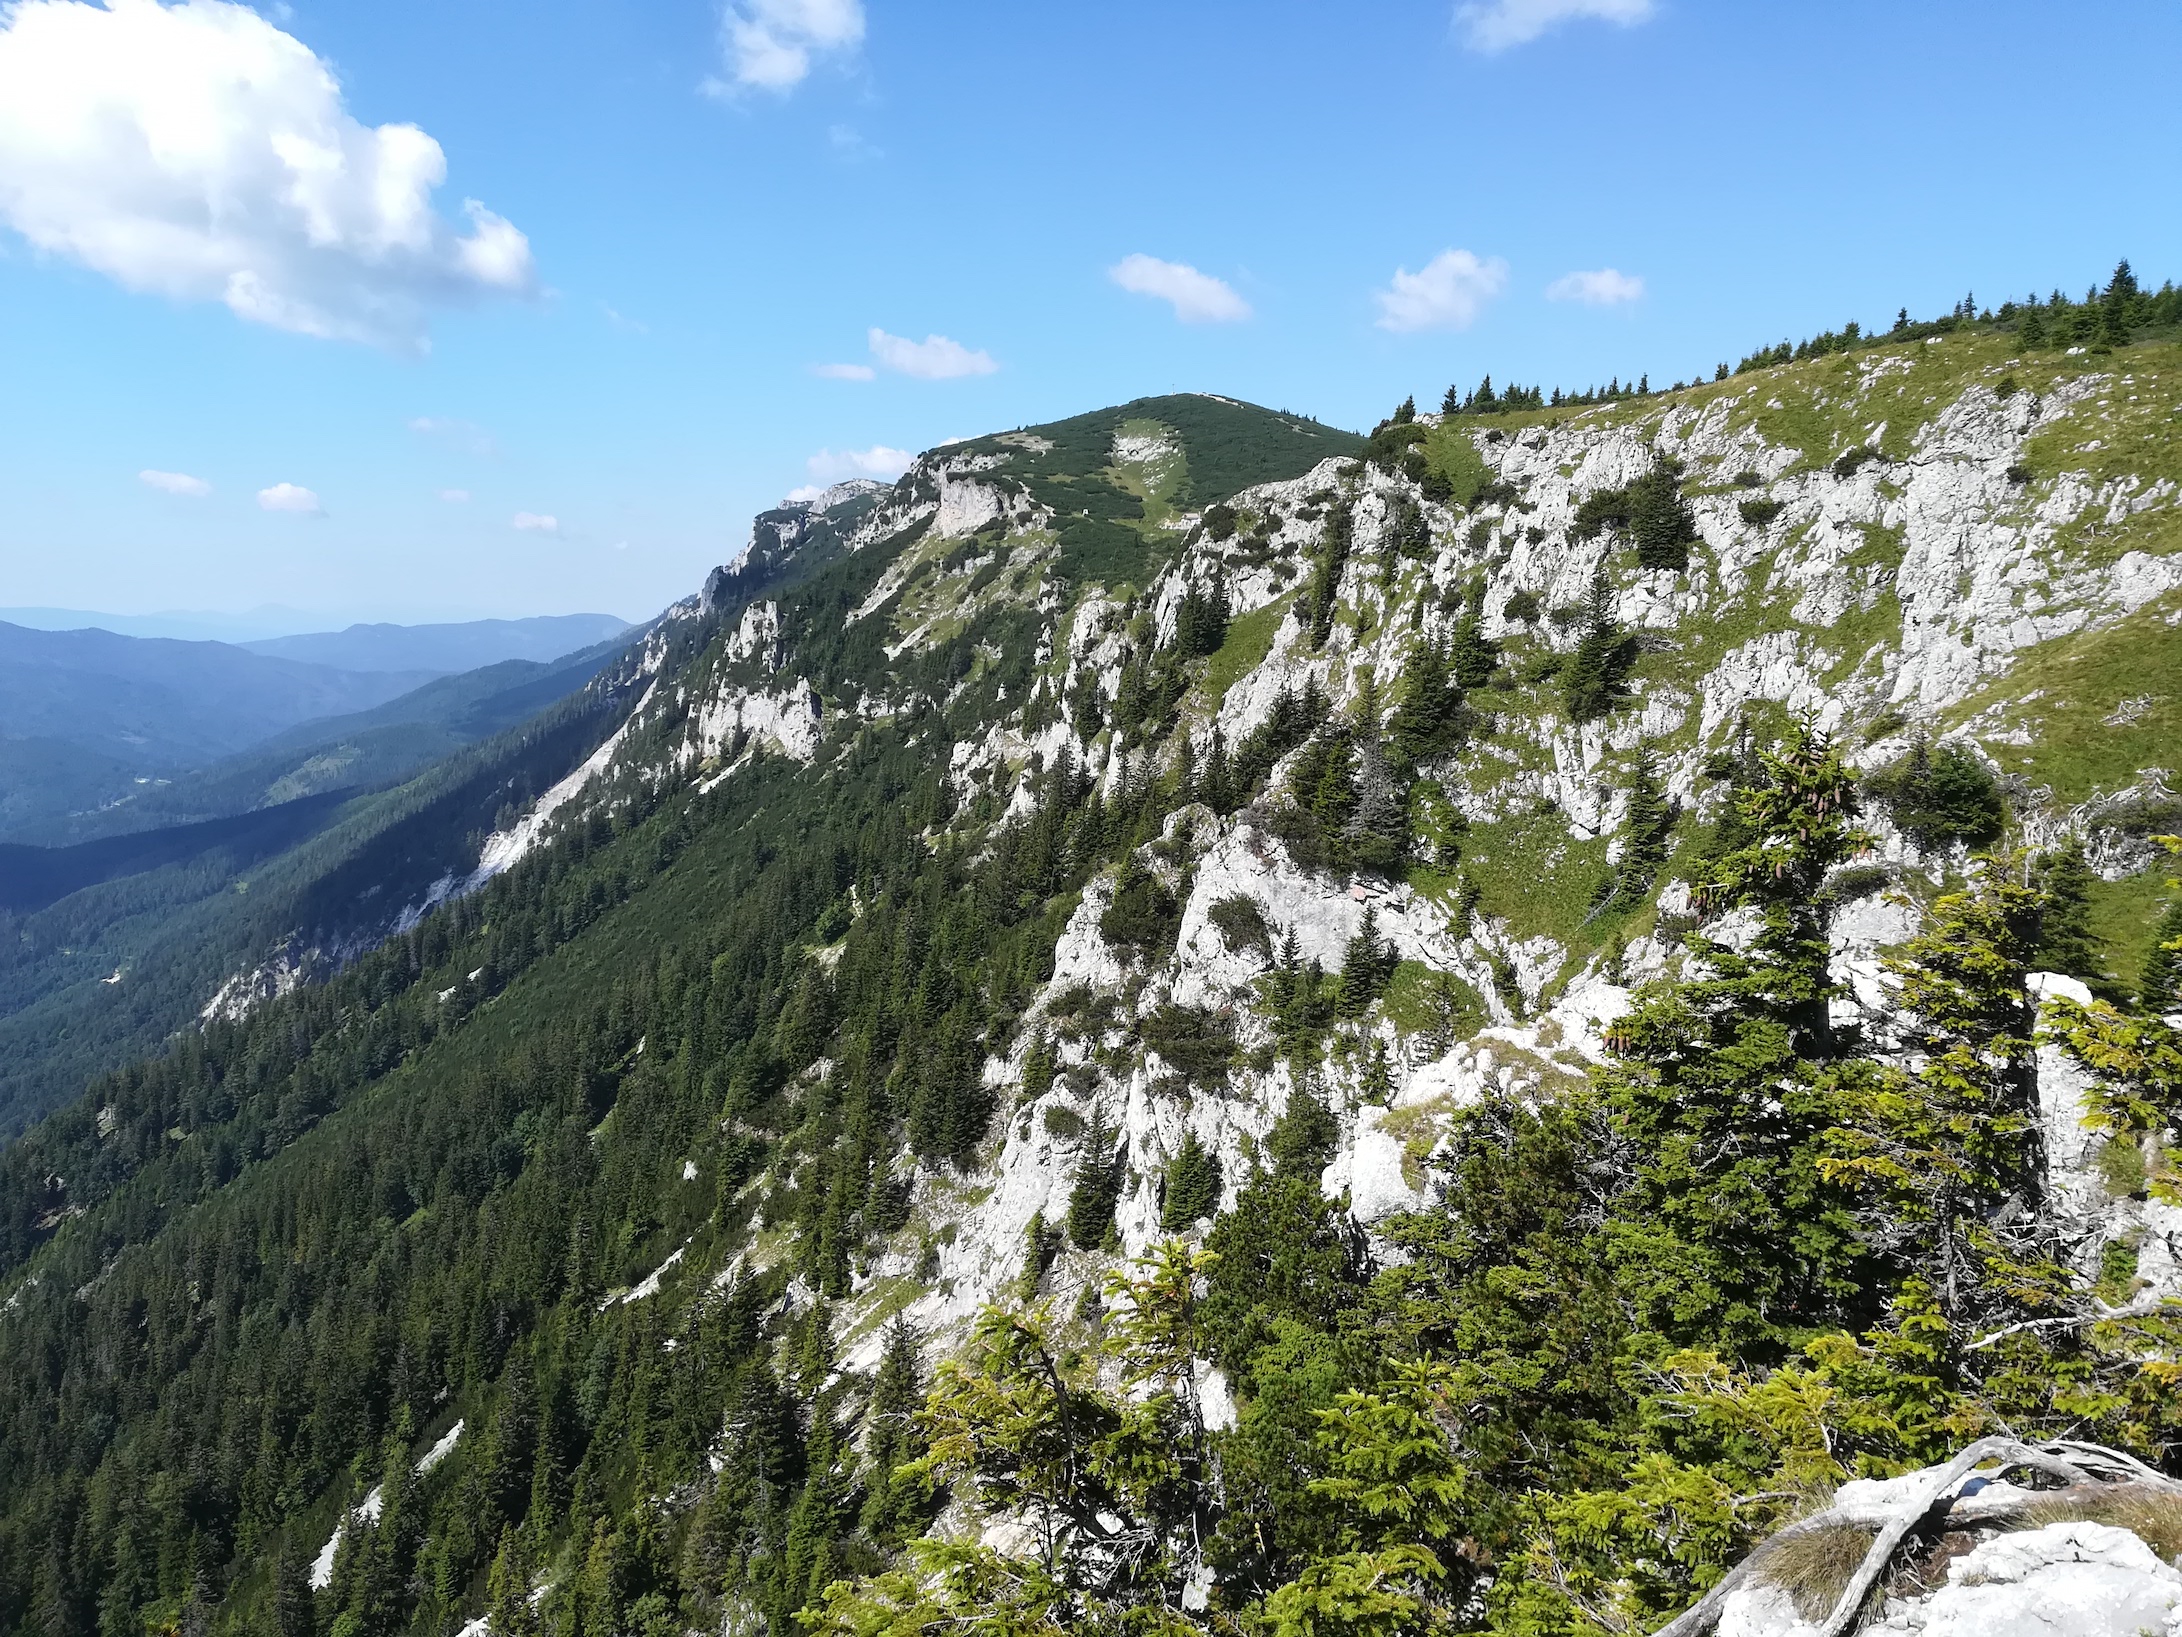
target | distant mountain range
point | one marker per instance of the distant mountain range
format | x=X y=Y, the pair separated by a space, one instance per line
x=461 y=647
x=157 y=703
x=90 y=716
x=271 y=622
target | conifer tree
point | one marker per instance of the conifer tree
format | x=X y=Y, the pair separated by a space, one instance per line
x=1366 y=968
x=1721 y=1082
x=898 y=1498
x=1948 y=1141
x=508 y=1610
x=2161 y=988
x=1472 y=657
x=1216 y=784
x=1647 y=824
x=1595 y=679
x=2065 y=940
x=1428 y=712
x=1102 y=1167
x=1193 y=1185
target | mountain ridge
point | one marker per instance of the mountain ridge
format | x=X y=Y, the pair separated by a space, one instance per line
x=1500 y=886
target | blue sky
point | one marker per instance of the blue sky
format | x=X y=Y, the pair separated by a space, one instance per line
x=685 y=214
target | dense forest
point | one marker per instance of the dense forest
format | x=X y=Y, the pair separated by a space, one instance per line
x=509 y=1279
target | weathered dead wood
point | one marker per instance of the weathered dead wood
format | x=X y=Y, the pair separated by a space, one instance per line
x=2085 y=1471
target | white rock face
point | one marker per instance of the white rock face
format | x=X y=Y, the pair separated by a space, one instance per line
x=2064 y=1580
x=2077 y=1579
x=1758 y=1610
x=789 y=721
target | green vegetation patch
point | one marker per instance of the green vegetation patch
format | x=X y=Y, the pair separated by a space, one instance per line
x=2108 y=705
x=1450 y=454
x=1249 y=639
x=1532 y=874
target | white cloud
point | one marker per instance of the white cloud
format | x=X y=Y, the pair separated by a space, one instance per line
x=843 y=372
x=1446 y=294
x=879 y=461
x=455 y=497
x=935 y=358
x=196 y=151
x=629 y=326
x=1496 y=25
x=769 y=44
x=850 y=145
x=1604 y=288
x=290 y=497
x=1197 y=298
x=536 y=522
x=175 y=483
x=464 y=435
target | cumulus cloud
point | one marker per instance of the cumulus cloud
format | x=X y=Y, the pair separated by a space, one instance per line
x=197 y=152
x=879 y=461
x=455 y=497
x=1497 y=25
x=770 y=45
x=1197 y=298
x=935 y=358
x=1605 y=288
x=843 y=372
x=536 y=522
x=175 y=483
x=1447 y=293
x=290 y=497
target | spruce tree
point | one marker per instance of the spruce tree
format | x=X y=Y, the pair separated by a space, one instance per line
x=2161 y=988
x=1594 y=681
x=508 y=1610
x=1102 y=1166
x=1428 y=712
x=1193 y=1185
x=1367 y=967
x=1948 y=1141
x=2066 y=942
x=897 y=1501
x=1722 y=1083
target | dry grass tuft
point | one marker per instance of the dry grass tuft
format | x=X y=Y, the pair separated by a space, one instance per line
x=1813 y=1566
x=2153 y=1514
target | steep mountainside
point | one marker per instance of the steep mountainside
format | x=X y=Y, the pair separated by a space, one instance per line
x=274 y=867
x=1387 y=1035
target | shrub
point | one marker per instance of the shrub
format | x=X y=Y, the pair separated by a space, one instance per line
x=1220 y=520
x=1197 y=1044
x=1758 y=513
x=1242 y=924
x=1748 y=479
x=1847 y=464
x=1522 y=607
x=1063 y=1124
x=1939 y=797
x=1143 y=916
x=1653 y=513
